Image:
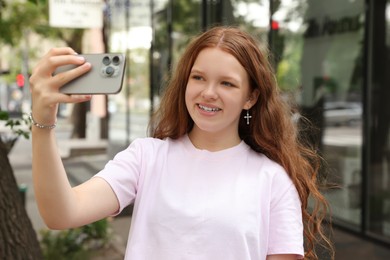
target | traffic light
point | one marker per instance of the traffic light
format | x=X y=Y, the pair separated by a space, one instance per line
x=276 y=41
x=274 y=25
x=20 y=80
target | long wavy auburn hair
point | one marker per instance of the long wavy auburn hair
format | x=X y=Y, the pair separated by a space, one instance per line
x=271 y=131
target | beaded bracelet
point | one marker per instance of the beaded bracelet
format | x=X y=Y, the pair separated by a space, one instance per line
x=39 y=125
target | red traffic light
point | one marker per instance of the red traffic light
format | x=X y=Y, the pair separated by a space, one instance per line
x=274 y=25
x=20 y=80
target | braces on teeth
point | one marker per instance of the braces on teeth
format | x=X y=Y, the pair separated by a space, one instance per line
x=209 y=109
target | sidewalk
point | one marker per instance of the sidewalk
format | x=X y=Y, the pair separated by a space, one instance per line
x=81 y=167
x=82 y=159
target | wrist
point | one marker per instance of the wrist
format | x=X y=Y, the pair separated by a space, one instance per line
x=41 y=125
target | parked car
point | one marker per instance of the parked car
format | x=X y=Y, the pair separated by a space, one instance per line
x=343 y=113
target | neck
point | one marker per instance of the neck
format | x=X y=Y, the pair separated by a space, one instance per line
x=212 y=141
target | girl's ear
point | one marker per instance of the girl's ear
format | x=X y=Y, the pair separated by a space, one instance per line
x=252 y=99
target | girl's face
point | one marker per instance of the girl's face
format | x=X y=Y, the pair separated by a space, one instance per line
x=217 y=91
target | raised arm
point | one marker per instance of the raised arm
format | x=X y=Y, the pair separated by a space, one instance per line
x=60 y=205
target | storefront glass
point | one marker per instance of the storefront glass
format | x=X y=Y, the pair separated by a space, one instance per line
x=326 y=62
x=129 y=27
x=174 y=22
x=318 y=49
x=378 y=176
x=253 y=16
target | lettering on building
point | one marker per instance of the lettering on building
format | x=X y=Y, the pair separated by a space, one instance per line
x=329 y=26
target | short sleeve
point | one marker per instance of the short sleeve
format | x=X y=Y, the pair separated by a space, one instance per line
x=122 y=174
x=286 y=227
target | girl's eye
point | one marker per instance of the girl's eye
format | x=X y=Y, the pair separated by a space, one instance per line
x=196 y=77
x=226 y=83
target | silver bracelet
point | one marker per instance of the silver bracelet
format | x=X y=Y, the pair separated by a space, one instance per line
x=39 y=125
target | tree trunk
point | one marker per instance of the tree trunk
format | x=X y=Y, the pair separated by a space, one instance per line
x=104 y=121
x=79 y=112
x=79 y=120
x=18 y=239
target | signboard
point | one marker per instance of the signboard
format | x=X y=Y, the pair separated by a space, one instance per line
x=76 y=13
x=332 y=43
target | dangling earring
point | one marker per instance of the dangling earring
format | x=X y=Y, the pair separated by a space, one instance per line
x=247 y=117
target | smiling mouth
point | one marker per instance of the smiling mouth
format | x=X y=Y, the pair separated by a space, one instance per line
x=209 y=109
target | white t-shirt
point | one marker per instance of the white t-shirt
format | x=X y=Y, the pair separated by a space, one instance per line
x=195 y=204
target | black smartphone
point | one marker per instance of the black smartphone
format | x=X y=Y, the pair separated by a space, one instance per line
x=105 y=77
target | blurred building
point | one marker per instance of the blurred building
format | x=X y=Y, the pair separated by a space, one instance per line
x=332 y=59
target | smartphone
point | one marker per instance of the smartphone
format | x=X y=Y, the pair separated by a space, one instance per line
x=105 y=77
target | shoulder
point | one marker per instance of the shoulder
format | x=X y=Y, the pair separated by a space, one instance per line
x=147 y=141
x=267 y=166
x=271 y=173
x=151 y=146
x=151 y=142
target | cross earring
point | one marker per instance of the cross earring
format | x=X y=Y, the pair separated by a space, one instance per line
x=247 y=117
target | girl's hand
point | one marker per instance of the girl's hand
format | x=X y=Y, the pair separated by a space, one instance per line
x=45 y=87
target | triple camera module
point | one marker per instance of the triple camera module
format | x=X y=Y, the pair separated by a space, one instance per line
x=111 y=66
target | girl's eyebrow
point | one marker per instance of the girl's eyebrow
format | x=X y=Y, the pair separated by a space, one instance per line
x=196 y=71
x=230 y=78
x=224 y=77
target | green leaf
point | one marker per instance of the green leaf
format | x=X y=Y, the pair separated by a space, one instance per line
x=10 y=123
x=4 y=115
x=37 y=2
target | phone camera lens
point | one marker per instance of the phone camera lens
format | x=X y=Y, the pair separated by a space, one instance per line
x=115 y=60
x=109 y=70
x=106 y=60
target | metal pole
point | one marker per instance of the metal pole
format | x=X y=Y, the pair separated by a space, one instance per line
x=270 y=36
x=127 y=84
x=204 y=15
x=170 y=30
x=151 y=59
x=25 y=68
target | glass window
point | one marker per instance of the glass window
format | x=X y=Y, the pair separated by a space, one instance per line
x=129 y=27
x=174 y=22
x=253 y=16
x=318 y=52
x=378 y=175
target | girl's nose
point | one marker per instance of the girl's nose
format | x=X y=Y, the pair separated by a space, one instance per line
x=210 y=92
